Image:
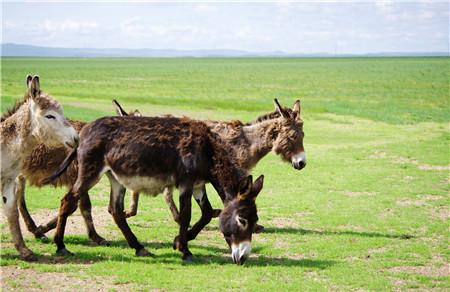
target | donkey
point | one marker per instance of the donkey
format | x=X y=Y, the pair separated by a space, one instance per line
x=41 y=163
x=280 y=131
x=149 y=154
x=38 y=118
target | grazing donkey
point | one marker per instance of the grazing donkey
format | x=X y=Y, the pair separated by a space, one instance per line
x=36 y=119
x=149 y=154
x=41 y=163
x=280 y=131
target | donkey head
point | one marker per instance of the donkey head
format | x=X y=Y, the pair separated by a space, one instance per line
x=48 y=123
x=121 y=112
x=239 y=217
x=289 y=142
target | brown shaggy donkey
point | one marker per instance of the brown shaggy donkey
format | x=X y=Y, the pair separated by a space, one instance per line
x=38 y=118
x=147 y=155
x=280 y=131
x=41 y=163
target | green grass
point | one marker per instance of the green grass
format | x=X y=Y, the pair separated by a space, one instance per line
x=368 y=212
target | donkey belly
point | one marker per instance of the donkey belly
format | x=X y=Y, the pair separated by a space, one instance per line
x=152 y=186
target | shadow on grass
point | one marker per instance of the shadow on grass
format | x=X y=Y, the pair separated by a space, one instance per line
x=88 y=258
x=258 y=261
x=148 y=245
x=301 y=231
x=203 y=255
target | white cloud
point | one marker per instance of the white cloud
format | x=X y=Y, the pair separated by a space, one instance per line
x=385 y=7
x=132 y=27
x=205 y=8
x=68 y=25
x=426 y=14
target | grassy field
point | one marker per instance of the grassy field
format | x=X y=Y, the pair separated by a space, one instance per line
x=369 y=212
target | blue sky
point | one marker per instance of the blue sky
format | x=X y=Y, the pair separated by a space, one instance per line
x=351 y=27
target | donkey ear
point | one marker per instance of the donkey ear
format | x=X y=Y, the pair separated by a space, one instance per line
x=280 y=109
x=35 y=87
x=257 y=186
x=137 y=113
x=28 y=80
x=119 y=109
x=296 y=108
x=245 y=187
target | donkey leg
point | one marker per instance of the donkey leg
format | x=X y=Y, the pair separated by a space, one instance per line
x=86 y=212
x=68 y=206
x=12 y=215
x=29 y=222
x=181 y=241
x=44 y=228
x=168 y=197
x=117 y=196
x=133 y=206
x=207 y=212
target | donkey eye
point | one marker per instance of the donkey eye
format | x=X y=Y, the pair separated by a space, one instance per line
x=50 y=117
x=243 y=221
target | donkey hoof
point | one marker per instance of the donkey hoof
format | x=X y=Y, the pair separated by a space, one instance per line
x=100 y=241
x=129 y=214
x=144 y=253
x=63 y=253
x=29 y=257
x=104 y=242
x=42 y=238
x=259 y=228
x=187 y=257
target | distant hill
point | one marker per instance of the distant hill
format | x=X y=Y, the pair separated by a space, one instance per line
x=18 y=50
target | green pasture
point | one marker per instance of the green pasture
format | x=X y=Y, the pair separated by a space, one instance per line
x=369 y=212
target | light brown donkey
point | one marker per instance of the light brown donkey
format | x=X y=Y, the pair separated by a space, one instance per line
x=36 y=119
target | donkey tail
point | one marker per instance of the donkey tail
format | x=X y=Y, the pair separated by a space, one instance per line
x=62 y=168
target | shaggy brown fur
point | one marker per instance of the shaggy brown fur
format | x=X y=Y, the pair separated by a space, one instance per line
x=40 y=164
x=280 y=131
x=13 y=109
x=160 y=152
x=44 y=160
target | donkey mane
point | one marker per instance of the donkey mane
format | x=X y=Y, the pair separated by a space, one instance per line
x=269 y=116
x=44 y=101
x=12 y=110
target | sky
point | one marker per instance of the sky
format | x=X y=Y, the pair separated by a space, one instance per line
x=306 y=27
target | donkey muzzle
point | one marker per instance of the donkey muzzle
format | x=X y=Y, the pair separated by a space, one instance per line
x=240 y=252
x=299 y=160
x=74 y=143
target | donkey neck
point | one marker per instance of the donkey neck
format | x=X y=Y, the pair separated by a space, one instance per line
x=17 y=132
x=259 y=138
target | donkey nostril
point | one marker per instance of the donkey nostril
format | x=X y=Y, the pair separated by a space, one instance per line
x=242 y=260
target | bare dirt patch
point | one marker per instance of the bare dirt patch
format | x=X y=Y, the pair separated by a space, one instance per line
x=434 y=167
x=421 y=166
x=75 y=223
x=442 y=213
x=421 y=200
x=283 y=222
x=377 y=250
x=429 y=271
x=18 y=279
x=359 y=194
x=408 y=160
x=378 y=155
